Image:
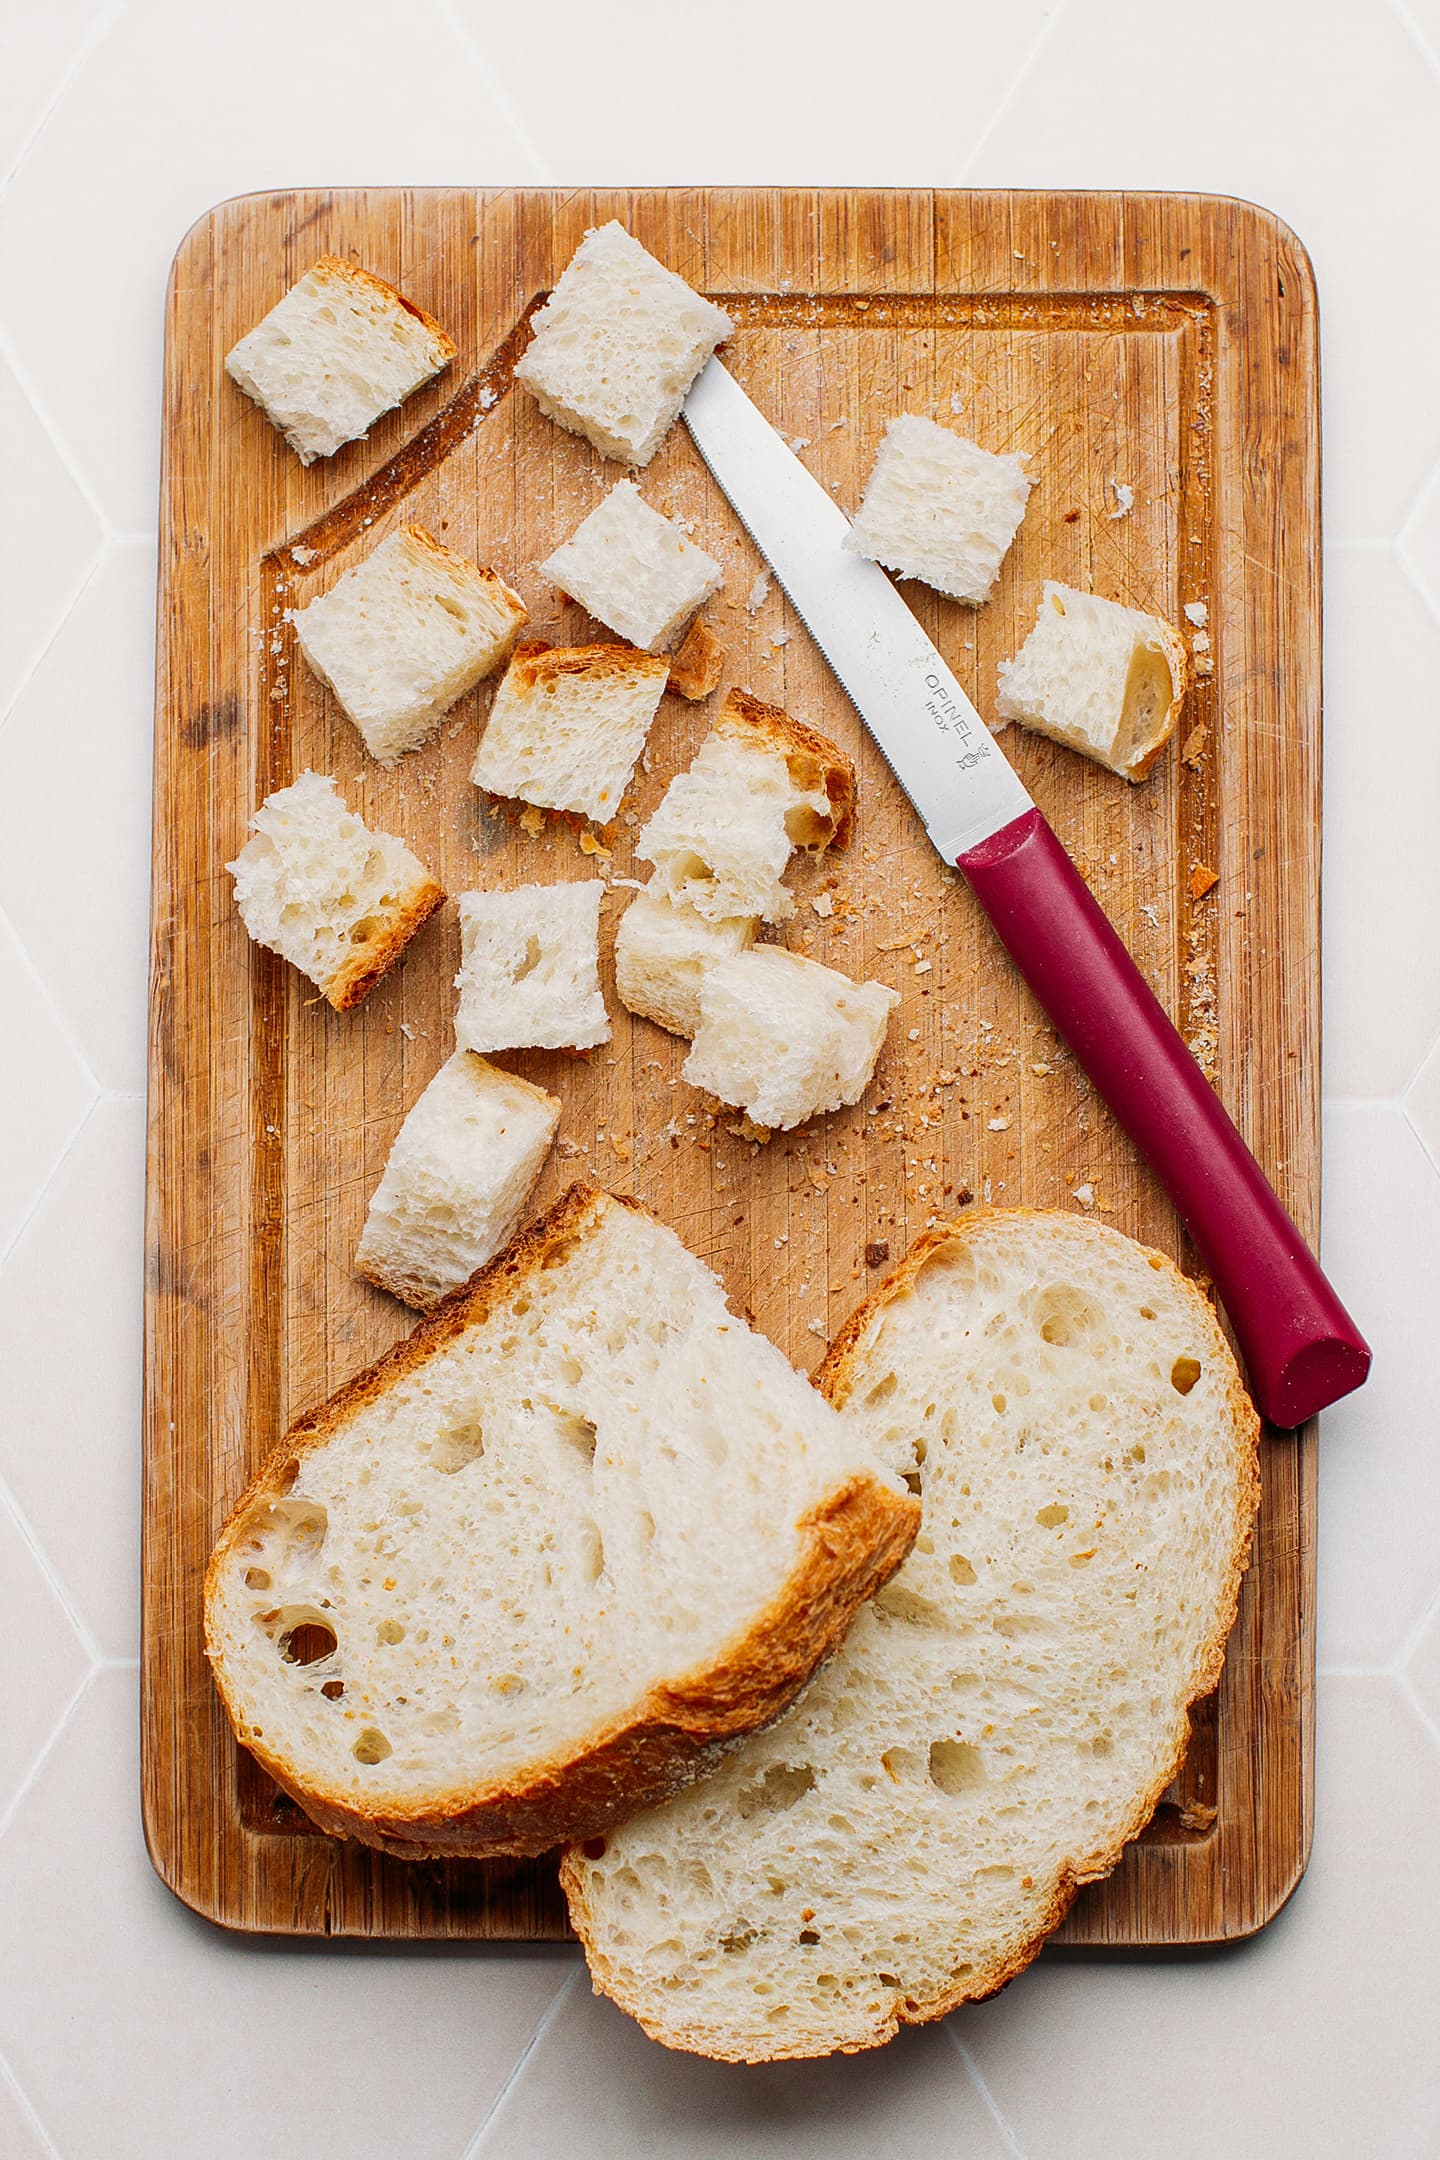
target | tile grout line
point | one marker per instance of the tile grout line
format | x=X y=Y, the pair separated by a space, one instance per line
x=973 y=2072
x=33 y=1773
x=1008 y=96
x=8 y=1250
x=460 y=31
x=61 y=448
x=1401 y=10
x=72 y=1041
x=100 y=28
x=1412 y=1695
x=25 y=1530
x=50 y=643
x=551 y=2012
x=22 y=2100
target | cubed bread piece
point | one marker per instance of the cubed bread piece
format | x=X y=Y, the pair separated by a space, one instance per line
x=698 y=662
x=530 y=969
x=761 y=786
x=618 y=344
x=462 y=1166
x=784 y=1038
x=1103 y=679
x=634 y=570
x=567 y=725
x=406 y=633
x=940 y=508
x=338 y=350
x=335 y=899
x=663 y=950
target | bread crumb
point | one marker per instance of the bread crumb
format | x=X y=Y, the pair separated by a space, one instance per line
x=1124 y=500
x=589 y=845
x=1195 y=611
x=877 y=1252
x=923 y=967
x=1203 y=880
x=304 y=555
x=758 y=592
x=532 y=820
x=488 y=397
x=913 y=1036
x=570 y=1149
x=1084 y=1194
x=999 y=1124
x=1195 y=743
x=823 y=904
x=407 y=1031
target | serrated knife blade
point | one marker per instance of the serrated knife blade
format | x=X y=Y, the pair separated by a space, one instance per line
x=1301 y=1348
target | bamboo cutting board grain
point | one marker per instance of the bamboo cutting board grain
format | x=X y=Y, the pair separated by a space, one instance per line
x=1156 y=357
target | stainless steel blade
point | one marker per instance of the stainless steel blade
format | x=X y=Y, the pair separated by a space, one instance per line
x=935 y=742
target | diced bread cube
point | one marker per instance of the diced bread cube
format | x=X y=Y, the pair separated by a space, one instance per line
x=462 y=1166
x=530 y=969
x=1104 y=679
x=335 y=899
x=940 y=508
x=663 y=951
x=618 y=344
x=567 y=725
x=634 y=570
x=761 y=786
x=405 y=634
x=698 y=662
x=785 y=1039
x=338 y=350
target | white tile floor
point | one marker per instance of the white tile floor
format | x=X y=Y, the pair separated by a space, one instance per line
x=126 y=2026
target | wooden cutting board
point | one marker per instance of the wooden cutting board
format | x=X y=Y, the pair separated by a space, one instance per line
x=1156 y=357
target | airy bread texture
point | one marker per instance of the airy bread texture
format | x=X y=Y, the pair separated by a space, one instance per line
x=634 y=569
x=517 y=1579
x=664 y=951
x=338 y=350
x=462 y=1166
x=617 y=345
x=761 y=786
x=335 y=899
x=406 y=633
x=1005 y=1715
x=697 y=663
x=1104 y=679
x=785 y=1039
x=530 y=969
x=568 y=723
x=940 y=508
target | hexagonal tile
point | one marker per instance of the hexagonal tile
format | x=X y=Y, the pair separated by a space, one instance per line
x=109 y=1988
x=40 y=46
x=75 y=860
x=1285 y=2045
x=1381 y=866
x=1247 y=107
x=19 y=2137
x=1422 y=1104
x=303 y=106
x=70 y=1439
x=48 y=1089
x=1379 y=1465
x=44 y=1660
x=1419 y=543
x=593 y=2083
x=1423 y=1670
x=45 y=554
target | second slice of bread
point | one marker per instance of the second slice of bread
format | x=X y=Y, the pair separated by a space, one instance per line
x=522 y=1576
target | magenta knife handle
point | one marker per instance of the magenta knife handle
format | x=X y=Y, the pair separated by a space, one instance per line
x=1301 y=1348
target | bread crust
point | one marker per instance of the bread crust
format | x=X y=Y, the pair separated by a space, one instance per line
x=1177 y=659
x=534 y=662
x=471 y=573
x=359 y=975
x=697 y=663
x=836 y=1376
x=335 y=268
x=745 y=718
x=851 y=1544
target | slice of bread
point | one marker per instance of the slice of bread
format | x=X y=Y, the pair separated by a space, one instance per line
x=761 y=786
x=1103 y=679
x=523 y=1575
x=405 y=634
x=317 y=886
x=530 y=969
x=462 y=1166
x=785 y=1039
x=1005 y=1715
x=617 y=345
x=634 y=570
x=697 y=663
x=567 y=724
x=338 y=350
x=940 y=508
x=663 y=952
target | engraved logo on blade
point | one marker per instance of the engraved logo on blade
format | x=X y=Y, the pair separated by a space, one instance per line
x=951 y=718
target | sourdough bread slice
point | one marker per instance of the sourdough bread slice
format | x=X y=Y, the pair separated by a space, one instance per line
x=1006 y=1713
x=335 y=899
x=340 y=348
x=784 y=1038
x=761 y=785
x=663 y=952
x=405 y=634
x=1101 y=678
x=567 y=725
x=939 y=508
x=460 y=1170
x=634 y=570
x=530 y=969
x=522 y=1576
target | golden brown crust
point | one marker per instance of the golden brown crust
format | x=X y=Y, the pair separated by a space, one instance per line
x=352 y=273
x=698 y=663
x=359 y=974
x=813 y=760
x=851 y=1544
x=1177 y=659
x=471 y=573
x=534 y=662
x=836 y=1376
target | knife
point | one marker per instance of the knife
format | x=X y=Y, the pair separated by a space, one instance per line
x=1301 y=1348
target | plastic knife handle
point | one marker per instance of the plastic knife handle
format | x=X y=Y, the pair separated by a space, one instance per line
x=1300 y=1346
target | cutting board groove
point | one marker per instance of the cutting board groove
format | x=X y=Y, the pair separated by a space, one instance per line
x=1161 y=345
